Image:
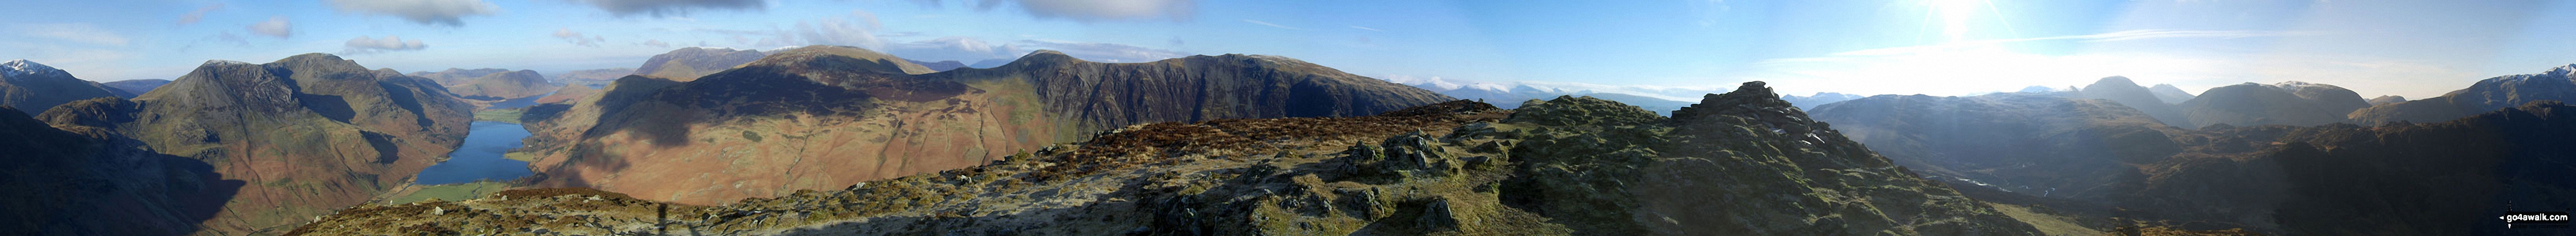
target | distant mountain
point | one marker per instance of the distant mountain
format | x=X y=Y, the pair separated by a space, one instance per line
x=939 y=66
x=2039 y=145
x=504 y=85
x=33 y=88
x=2285 y=103
x=307 y=135
x=1820 y=99
x=990 y=63
x=86 y=181
x=1563 y=166
x=2487 y=95
x=2127 y=93
x=1514 y=95
x=2170 y=94
x=826 y=117
x=687 y=64
x=591 y=77
x=136 y=87
x=2386 y=99
x=454 y=76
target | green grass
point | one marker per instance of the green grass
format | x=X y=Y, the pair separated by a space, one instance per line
x=451 y=192
x=503 y=116
x=2047 y=223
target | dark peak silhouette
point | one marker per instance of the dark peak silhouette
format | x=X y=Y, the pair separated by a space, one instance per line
x=34 y=87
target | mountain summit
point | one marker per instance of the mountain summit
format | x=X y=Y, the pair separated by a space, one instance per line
x=33 y=87
x=2487 y=95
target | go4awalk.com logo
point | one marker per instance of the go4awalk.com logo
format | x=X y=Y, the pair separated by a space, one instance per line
x=2534 y=219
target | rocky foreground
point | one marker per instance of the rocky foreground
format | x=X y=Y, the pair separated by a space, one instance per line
x=1742 y=163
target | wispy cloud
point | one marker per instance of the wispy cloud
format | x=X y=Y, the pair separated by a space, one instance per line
x=1269 y=24
x=1366 y=28
x=1089 y=10
x=276 y=26
x=200 y=14
x=426 y=12
x=365 y=45
x=75 y=32
x=672 y=8
x=576 y=38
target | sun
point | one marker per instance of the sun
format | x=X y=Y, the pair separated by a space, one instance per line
x=1955 y=15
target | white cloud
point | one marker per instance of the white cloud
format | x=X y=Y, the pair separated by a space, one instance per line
x=427 y=12
x=1090 y=10
x=671 y=8
x=576 y=38
x=1104 y=52
x=276 y=26
x=200 y=14
x=1269 y=24
x=365 y=45
x=75 y=32
x=655 y=43
x=858 y=30
x=964 y=49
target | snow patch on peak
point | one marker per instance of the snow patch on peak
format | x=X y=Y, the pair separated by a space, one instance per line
x=22 y=67
x=2561 y=71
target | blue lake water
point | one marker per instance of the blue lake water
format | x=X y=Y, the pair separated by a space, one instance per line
x=517 y=102
x=480 y=157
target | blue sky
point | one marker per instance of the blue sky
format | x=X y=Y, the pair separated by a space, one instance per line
x=1661 y=48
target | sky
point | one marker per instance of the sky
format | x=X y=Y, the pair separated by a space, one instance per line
x=1671 y=48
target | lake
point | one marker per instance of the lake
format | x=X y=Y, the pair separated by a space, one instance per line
x=480 y=157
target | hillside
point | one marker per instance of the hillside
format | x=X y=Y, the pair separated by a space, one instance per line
x=1557 y=167
x=2170 y=94
x=822 y=117
x=2126 y=93
x=94 y=182
x=687 y=64
x=939 y=66
x=2029 y=144
x=2285 y=103
x=503 y=85
x=2487 y=95
x=591 y=77
x=33 y=87
x=136 y=87
x=306 y=135
x=455 y=76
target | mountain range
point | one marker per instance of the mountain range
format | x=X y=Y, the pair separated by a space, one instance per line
x=692 y=62
x=821 y=117
x=1741 y=163
x=2486 y=95
x=33 y=87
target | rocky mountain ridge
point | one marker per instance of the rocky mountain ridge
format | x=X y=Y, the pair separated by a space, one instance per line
x=32 y=87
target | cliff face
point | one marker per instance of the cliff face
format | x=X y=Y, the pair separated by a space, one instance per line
x=2487 y=95
x=687 y=64
x=504 y=85
x=308 y=134
x=2285 y=103
x=823 y=116
x=33 y=88
x=1559 y=167
x=2038 y=145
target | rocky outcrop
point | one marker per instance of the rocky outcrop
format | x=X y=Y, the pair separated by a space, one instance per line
x=2487 y=95
x=307 y=134
x=1560 y=167
x=821 y=117
x=2285 y=103
x=503 y=85
x=33 y=88
x=687 y=64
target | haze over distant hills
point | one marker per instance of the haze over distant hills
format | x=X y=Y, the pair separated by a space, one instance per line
x=503 y=85
x=33 y=87
x=591 y=77
x=136 y=87
x=878 y=116
x=2285 y=103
